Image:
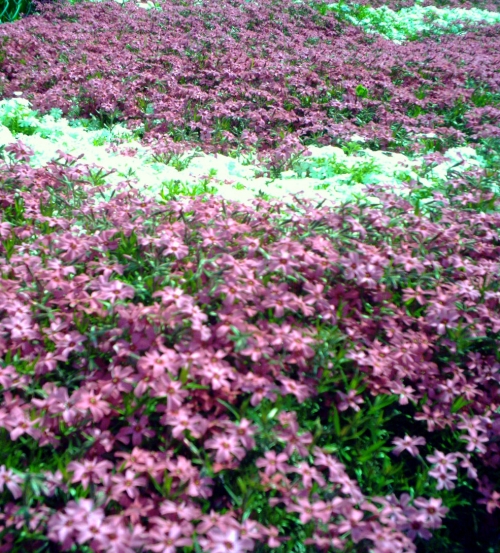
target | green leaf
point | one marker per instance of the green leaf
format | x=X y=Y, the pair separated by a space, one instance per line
x=193 y=386
x=238 y=500
x=361 y=91
x=336 y=421
x=242 y=485
x=230 y=407
x=367 y=453
x=459 y=403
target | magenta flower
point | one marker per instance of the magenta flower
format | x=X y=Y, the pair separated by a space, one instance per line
x=228 y=541
x=408 y=444
x=445 y=462
x=445 y=479
x=492 y=501
x=138 y=429
x=93 y=402
x=475 y=441
x=244 y=432
x=351 y=399
x=226 y=446
x=11 y=481
x=184 y=420
x=318 y=510
x=172 y=390
x=127 y=483
x=294 y=441
x=68 y=343
x=168 y=543
x=300 y=391
x=416 y=525
x=113 y=291
x=181 y=468
x=18 y=423
x=273 y=463
x=309 y=474
x=433 y=509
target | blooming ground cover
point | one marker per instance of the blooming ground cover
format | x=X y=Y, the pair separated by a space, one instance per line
x=249 y=295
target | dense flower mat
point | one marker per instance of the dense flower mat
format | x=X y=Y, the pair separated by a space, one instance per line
x=224 y=376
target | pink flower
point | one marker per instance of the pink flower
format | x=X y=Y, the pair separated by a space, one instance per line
x=351 y=264
x=20 y=424
x=68 y=343
x=492 y=502
x=443 y=318
x=432 y=509
x=168 y=543
x=465 y=463
x=61 y=528
x=318 y=510
x=294 y=441
x=349 y=400
x=184 y=420
x=260 y=388
x=181 y=468
x=475 y=441
x=300 y=391
x=138 y=460
x=183 y=511
x=244 y=432
x=21 y=326
x=119 y=381
x=445 y=479
x=369 y=274
x=200 y=487
x=172 y=390
x=226 y=445
x=309 y=474
x=74 y=247
x=273 y=463
x=117 y=539
x=138 y=429
x=353 y=523
x=11 y=480
x=113 y=291
x=140 y=507
x=444 y=462
x=127 y=483
x=92 y=401
x=335 y=467
x=89 y=471
x=228 y=541
x=214 y=519
x=415 y=527
x=408 y=444
x=90 y=528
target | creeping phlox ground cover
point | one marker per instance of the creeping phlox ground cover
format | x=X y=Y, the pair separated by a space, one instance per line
x=249 y=293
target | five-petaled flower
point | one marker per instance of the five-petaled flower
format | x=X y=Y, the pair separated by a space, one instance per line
x=408 y=444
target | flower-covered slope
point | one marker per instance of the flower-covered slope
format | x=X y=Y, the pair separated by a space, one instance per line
x=192 y=360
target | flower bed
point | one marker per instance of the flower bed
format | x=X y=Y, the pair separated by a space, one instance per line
x=185 y=370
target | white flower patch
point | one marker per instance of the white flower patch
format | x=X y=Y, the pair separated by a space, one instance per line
x=328 y=173
x=406 y=23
